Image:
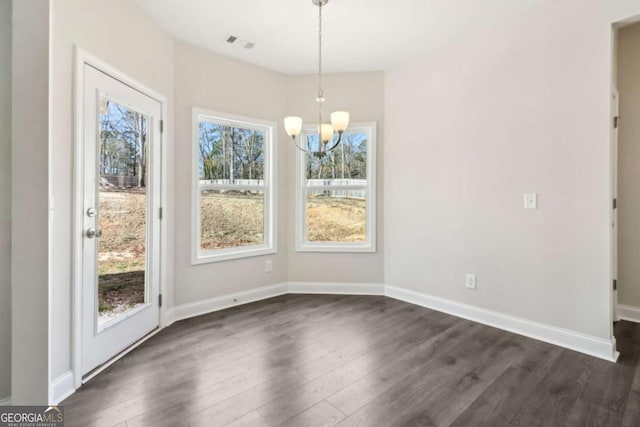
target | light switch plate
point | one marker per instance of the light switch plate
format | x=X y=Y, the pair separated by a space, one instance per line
x=531 y=201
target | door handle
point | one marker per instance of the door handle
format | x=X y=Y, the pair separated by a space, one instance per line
x=92 y=233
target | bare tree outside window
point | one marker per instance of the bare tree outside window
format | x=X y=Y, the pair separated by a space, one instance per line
x=122 y=166
x=232 y=160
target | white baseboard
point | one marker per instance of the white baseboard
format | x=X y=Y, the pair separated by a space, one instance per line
x=593 y=346
x=62 y=387
x=6 y=401
x=186 y=311
x=627 y=312
x=336 y=288
x=168 y=317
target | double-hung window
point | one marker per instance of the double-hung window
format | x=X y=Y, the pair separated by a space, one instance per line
x=232 y=187
x=336 y=193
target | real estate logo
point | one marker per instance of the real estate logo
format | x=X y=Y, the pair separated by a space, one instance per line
x=31 y=416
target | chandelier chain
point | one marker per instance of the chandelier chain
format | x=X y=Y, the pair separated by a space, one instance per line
x=320 y=48
x=320 y=91
x=326 y=131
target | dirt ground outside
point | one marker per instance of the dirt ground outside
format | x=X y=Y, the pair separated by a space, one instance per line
x=335 y=219
x=121 y=252
x=228 y=220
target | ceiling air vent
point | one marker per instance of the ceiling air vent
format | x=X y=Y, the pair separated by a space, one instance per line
x=237 y=41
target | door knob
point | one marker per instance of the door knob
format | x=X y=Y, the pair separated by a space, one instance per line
x=92 y=232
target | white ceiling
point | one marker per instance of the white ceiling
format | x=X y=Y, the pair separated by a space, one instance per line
x=358 y=35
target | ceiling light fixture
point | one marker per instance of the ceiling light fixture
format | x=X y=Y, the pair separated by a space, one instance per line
x=339 y=119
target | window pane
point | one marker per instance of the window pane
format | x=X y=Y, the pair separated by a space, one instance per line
x=230 y=155
x=122 y=210
x=336 y=216
x=231 y=219
x=347 y=161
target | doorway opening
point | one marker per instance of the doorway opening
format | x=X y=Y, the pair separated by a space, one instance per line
x=626 y=174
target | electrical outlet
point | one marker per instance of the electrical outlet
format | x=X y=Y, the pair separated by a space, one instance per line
x=470 y=281
x=268 y=266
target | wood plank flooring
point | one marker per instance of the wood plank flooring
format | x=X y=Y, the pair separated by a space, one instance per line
x=325 y=360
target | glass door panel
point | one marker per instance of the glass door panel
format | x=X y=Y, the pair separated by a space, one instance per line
x=122 y=211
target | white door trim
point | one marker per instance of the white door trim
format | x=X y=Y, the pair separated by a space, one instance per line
x=615 y=112
x=81 y=58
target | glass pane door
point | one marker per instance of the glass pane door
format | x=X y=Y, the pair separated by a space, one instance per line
x=122 y=211
x=121 y=168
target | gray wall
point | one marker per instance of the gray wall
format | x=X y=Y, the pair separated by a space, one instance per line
x=5 y=198
x=362 y=94
x=206 y=80
x=210 y=81
x=30 y=204
x=470 y=127
x=628 y=169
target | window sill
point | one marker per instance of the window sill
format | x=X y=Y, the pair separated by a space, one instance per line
x=231 y=254
x=336 y=248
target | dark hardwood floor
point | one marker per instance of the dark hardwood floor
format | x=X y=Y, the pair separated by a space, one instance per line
x=320 y=360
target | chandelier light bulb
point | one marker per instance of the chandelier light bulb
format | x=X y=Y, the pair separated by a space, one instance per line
x=293 y=126
x=340 y=120
x=326 y=132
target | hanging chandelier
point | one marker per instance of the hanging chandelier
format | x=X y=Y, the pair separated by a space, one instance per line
x=339 y=119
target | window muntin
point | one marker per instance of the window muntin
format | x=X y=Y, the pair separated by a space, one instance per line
x=233 y=193
x=336 y=193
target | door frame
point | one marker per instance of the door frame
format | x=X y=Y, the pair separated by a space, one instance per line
x=615 y=114
x=83 y=58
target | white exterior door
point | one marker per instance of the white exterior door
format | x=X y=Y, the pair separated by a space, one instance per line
x=121 y=167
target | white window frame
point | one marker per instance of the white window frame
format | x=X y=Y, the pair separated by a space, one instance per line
x=199 y=256
x=369 y=245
